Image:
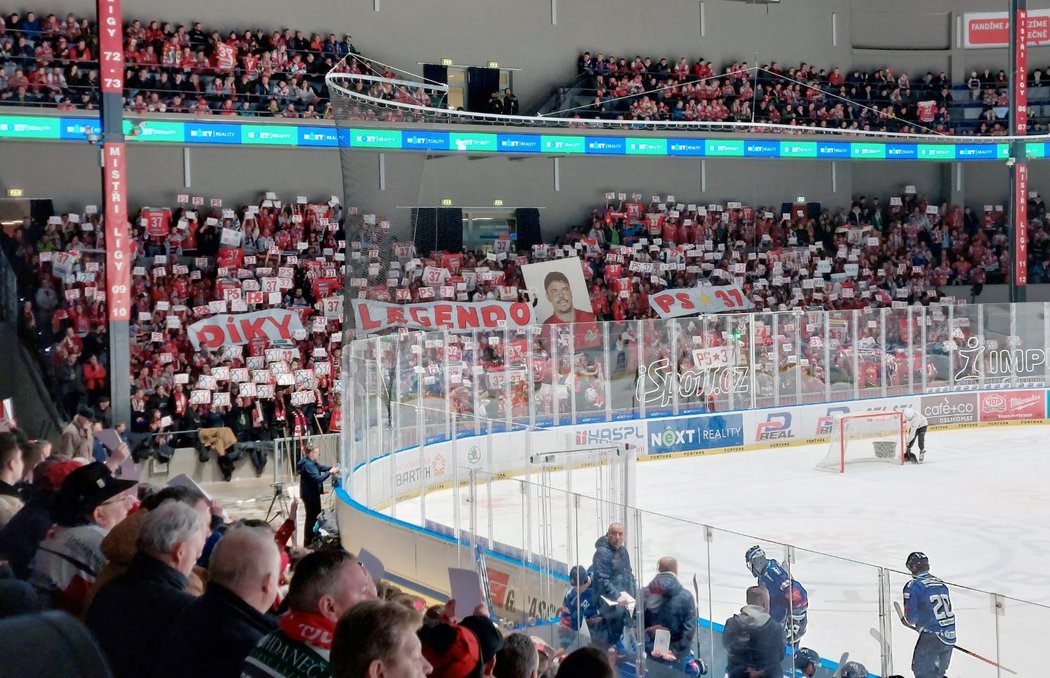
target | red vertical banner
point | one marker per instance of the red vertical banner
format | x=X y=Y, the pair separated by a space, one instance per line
x=118 y=243
x=1021 y=224
x=1021 y=73
x=110 y=47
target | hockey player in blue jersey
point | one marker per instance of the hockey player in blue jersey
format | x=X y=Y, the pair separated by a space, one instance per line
x=807 y=662
x=788 y=601
x=579 y=606
x=928 y=607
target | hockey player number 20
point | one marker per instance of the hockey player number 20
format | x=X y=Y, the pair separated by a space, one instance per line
x=942 y=607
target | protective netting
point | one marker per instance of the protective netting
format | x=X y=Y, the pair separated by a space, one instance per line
x=856 y=438
x=366 y=91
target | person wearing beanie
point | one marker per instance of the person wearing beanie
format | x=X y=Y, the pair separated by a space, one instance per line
x=579 y=605
x=452 y=651
x=490 y=640
x=21 y=536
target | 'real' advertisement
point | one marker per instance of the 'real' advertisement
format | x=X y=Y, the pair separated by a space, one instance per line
x=950 y=408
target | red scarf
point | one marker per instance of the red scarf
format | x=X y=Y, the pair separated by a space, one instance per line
x=308 y=628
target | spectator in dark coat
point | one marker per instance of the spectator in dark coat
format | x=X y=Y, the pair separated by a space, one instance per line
x=311 y=486
x=213 y=635
x=152 y=592
x=612 y=578
x=754 y=642
x=670 y=606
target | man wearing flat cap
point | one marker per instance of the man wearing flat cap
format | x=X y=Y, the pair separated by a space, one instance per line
x=76 y=438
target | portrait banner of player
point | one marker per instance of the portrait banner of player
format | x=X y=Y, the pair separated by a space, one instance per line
x=560 y=296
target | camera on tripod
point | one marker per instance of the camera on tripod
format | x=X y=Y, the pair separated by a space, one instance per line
x=278 y=502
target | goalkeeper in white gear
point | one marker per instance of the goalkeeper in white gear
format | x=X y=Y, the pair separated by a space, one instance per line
x=915 y=430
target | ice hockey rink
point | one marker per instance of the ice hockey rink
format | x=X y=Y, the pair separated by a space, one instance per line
x=979 y=507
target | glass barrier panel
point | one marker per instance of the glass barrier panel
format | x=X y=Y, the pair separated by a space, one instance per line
x=812 y=364
x=937 y=341
x=1021 y=634
x=869 y=344
x=901 y=352
x=654 y=349
x=1031 y=342
x=839 y=606
x=763 y=360
x=839 y=355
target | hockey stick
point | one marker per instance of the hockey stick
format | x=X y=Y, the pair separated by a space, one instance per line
x=696 y=599
x=842 y=664
x=483 y=572
x=986 y=660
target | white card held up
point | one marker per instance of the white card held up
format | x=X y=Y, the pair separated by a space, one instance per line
x=465 y=586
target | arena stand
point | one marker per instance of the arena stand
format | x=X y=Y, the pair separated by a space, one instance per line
x=884 y=99
x=194 y=262
x=191 y=69
x=170 y=67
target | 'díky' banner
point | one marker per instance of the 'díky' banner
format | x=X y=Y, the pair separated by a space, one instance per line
x=231 y=329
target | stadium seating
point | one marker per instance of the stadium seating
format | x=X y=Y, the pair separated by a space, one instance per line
x=194 y=262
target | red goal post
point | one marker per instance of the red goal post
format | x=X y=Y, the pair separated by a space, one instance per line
x=864 y=437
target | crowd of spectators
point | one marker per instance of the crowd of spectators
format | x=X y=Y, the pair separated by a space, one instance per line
x=884 y=99
x=894 y=254
x=194 y=262
x=46 y=60
x=167 y=586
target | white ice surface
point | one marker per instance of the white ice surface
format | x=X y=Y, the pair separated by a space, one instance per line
x=979 y=507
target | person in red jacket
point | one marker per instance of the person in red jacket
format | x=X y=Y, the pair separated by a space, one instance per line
x=94 y=379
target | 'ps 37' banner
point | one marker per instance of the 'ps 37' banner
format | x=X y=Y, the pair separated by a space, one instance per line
x=224 y=330
x=694 y=300
x=376 y=316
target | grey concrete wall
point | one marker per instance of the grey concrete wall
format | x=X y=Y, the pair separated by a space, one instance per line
x=68 y=174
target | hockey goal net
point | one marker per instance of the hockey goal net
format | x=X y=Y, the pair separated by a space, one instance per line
x=872 y=436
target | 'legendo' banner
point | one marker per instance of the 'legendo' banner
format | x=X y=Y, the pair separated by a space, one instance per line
x=223 y=330
x=376 y=316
